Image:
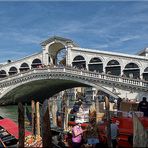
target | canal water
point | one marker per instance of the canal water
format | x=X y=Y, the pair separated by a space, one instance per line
x=9 y=111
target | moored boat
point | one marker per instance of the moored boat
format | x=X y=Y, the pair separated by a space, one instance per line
x=9 y=133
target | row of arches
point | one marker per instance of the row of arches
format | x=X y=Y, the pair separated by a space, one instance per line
x=24 y=67
x=113 y=67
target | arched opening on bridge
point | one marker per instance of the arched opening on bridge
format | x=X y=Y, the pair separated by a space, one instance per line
x=24 y=67
x=95 y=64
x=102 y=94
x=79 y=62
x=3 y=74
x=13 y=70
x=57 y=54
x=61 y=57
x=132 y=70
x=113 y=68
x=36 y=63
x=145 y=74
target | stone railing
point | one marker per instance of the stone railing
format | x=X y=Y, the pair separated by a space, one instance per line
x=62 y=72
x=101 y=76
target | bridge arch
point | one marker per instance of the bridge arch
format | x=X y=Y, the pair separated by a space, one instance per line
x=79 y=62
x=13 y=70
x=132 y=70
x=145 y=74
x=113 y=67
x=24 y=67
x=95 y=64
x=3 y=74
x=45 y=86
x=35 y=63
x=54 y=49
x=60 y=57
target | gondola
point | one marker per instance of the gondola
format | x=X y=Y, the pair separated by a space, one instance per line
x=9 y=133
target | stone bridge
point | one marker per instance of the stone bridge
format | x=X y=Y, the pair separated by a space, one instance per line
x=42 y=83
x=62 y=64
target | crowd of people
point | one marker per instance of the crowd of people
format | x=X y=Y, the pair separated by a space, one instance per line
x=88 y=136
x=91 y=133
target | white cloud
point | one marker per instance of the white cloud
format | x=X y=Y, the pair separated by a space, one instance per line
x=129 y=37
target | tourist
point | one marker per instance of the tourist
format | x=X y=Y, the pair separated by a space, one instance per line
x=114 y=133
x=80 y=115
x=61 y=142
x=75 y=107
x=92 y=135
x=59 y=118
x=119 y=100
x=77 y=134
x=143 y=106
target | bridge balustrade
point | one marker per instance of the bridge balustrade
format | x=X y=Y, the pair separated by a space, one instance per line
x=28 y=75
x=145 y=84
x=131 y=81
x=112 y=78
x=109 y=77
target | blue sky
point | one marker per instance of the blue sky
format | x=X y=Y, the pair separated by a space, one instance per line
x=111 y=25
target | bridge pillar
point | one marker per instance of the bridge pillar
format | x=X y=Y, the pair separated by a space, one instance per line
x=45 y=57
x=141 y=73
x=94 y=91
x=104 y=70
x=122 y=68
x=51 y=59
x=69 y=57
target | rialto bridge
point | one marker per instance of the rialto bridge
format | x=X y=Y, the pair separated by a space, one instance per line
x=62 y=64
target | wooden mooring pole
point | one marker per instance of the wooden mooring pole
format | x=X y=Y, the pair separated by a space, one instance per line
x=65 y=112
x=33 y=117
x=21 y=125
x=108 y=122
x=97 y=110
x=63 y=104
x=46 y=131
x=38 y=119
x=54 y=109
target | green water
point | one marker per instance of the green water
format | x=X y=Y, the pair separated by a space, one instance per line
x=9 y=112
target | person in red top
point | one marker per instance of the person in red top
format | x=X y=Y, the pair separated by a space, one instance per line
x=143 y=106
